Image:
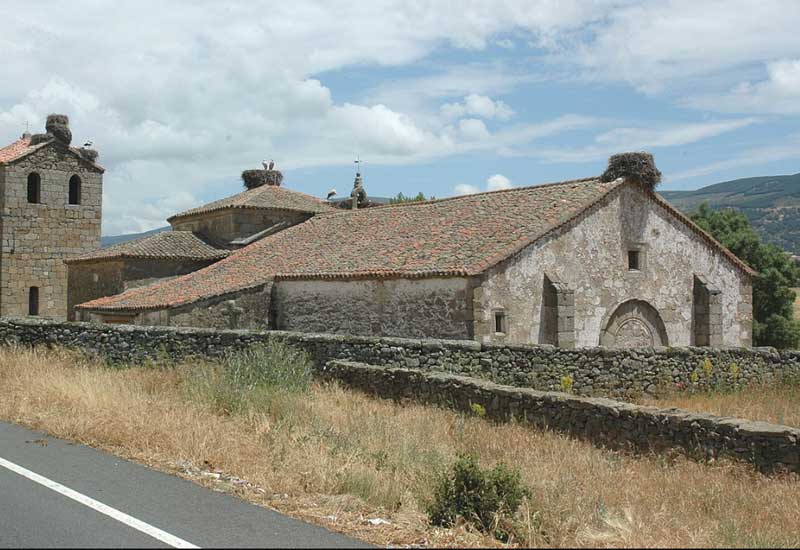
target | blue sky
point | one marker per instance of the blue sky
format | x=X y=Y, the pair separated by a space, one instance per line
x=440 y=97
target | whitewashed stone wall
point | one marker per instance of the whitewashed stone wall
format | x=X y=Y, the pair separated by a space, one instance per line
x=590 y=257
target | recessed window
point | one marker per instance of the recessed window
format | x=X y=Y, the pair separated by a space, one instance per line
x=500 y=322
x=33 y=300
x=634 y=260
x=75 y=190
x=34 y=188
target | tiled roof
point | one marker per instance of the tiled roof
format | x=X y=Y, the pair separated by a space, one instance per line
x=177 y=245
x=19 y=149
x=266 y=196
x=22 y=148
x=460 y=236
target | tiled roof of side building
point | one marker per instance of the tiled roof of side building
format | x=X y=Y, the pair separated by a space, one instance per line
x=460 y=236
x=266 y=196
x=178 y=245
x=22 y=148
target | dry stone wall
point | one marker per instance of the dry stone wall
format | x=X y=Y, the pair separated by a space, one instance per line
x=592 y=371
x=770 y=447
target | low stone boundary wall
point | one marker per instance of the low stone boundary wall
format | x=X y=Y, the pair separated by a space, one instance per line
x=770 y=447
x=592 y=371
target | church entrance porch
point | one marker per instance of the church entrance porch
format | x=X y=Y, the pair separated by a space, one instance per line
x=634 y=324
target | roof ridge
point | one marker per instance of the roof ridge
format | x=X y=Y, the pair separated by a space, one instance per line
x=411 y=204
x=29 y=148
x=240 y=200
x=132 y=248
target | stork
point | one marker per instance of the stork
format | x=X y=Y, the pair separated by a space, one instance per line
x=269 y=166
x=87 y=144
x=331 y=194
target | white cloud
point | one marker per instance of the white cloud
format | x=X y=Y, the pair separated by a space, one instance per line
x=670 y=44
x=202 y=90
x=466 y=189
x=473 y=129
x=778 y=93
x=498 y=182
x=634 y=139
x=750 y=157
x=181 y=95
x=671 y=135
x=480 y=106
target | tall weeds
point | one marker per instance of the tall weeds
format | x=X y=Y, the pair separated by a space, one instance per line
x=338 y=457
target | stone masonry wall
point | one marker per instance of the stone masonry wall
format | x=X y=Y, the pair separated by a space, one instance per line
x=36 y=238
x=770 y=447
x=590 y=258
x=592 y=371
x=435 y=308
x=90 y=280
x=234 y=223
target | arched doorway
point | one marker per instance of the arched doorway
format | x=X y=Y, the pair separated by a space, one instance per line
x=634 y=324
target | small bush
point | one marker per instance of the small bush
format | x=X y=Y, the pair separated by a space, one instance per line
x=483 y=498
x=478 y=409
x=272 y=364
x=258 y=377
x=567 y=383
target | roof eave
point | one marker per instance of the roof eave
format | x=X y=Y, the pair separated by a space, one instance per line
x=242 y=207
x=143 y=257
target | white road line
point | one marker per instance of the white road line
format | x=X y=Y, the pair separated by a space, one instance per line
x=113 y=513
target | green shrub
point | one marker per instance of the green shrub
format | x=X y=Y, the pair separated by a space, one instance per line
x=483 y=498
x=269 y=365
x=261 y=377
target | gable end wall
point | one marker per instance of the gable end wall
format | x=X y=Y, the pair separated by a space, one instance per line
x=590 y=257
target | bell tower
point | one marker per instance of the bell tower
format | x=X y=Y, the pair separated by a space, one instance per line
x=50 y=210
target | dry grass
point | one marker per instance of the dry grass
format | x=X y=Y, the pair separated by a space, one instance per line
x=334 y=453
x=777 y=404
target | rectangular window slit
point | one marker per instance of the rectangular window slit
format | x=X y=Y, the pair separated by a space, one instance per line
x=33 y=301
x=500 y=322
x=633 y=260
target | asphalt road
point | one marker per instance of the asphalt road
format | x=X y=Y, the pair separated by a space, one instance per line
x=66 y=495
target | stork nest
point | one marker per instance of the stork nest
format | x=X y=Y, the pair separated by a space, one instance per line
x=257 y=178
x=638 y=166
x=58 y=127
x=88 y=154
x=36 y=139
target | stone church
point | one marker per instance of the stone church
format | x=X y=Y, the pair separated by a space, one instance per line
x=597 y=261
x=50 y=200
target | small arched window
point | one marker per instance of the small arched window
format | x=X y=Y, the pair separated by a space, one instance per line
x=34 y=188
x=33 y=300
x=75 y=189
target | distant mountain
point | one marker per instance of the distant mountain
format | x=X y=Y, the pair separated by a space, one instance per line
x=116 y=239
x=771 y=203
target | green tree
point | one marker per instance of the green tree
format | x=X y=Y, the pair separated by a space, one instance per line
x=773 y=298
x=401 y=198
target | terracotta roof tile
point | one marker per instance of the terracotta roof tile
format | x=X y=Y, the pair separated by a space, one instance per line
x=266 y=196
x=460 y=236
x=19 y=149
x=22 y=148
x=179 y=245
